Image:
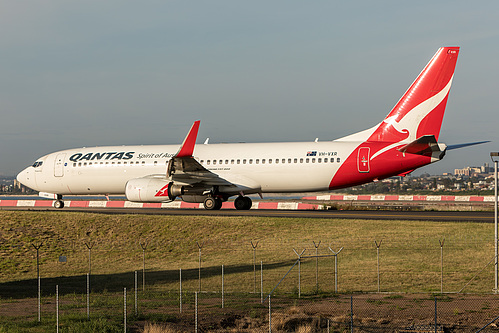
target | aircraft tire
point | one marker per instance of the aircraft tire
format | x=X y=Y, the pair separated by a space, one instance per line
x=218 y=204
x=211 y=203
x=58 y=204
x=249 y=203
x=242 y=203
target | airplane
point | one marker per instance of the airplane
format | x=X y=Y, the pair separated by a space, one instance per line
x=405 y=140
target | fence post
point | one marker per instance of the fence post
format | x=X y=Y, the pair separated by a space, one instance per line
x=377 y=257
x=57 y=307
x=37 y=248
x=254 y=264
x=222 y=286
x=135 y=291
x=435 y=314
x=180 y=278
x=335 y=268
x=89 y=246
x=88 y=295
x=317 y=266
x=270 y=316
x=261 y=281
x=441 y=265
x=299 y=271
x=200 y=246
x=39 y=300
x=124 y=309
x=196 y=311
x=143 y=246
x=351 y=313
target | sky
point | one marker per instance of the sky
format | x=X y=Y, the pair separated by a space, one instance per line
x=92 y=73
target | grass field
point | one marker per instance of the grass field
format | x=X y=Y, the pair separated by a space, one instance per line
x=410 y=260
x=409 y=254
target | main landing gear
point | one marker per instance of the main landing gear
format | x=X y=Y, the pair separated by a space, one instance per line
x=212 y=203
x=242 y=203
x=215 y=203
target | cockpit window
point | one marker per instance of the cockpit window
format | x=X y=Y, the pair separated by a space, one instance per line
x=37 y=164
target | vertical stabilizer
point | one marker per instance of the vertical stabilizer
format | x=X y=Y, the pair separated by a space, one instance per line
x=421 y=109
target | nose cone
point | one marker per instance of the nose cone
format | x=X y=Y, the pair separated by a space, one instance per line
x=27 y=177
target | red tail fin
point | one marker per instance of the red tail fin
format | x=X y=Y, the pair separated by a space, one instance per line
x=421 y=109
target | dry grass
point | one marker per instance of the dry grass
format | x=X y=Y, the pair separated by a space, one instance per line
x=156 y=328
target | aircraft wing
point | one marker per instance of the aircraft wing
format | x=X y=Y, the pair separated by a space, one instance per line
x=188 y=171
x=183 y=169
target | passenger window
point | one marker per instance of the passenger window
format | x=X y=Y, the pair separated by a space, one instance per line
x=231 y=161
x=244 y=161
x=289 y=160
x=263 y=161
x=307 y=160
x=214 y=162
x=202 y=161
x=325 y=160
x=220 y=162
x=296 y=160
x=226 y=161
x=277 y=160
x=155 y=163
x=338 y=160
x=257 y=161
x=238 y=161
x=301 y=160
x=313 y=160
x=319 y=160
x=208 y=162
x=251 y=161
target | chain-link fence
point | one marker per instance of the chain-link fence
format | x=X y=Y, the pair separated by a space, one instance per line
x=244 y=312
x=365 y=285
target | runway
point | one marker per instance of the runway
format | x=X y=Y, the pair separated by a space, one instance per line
x=453 y=216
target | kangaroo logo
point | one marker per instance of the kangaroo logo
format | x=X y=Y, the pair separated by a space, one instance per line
x=408 y=125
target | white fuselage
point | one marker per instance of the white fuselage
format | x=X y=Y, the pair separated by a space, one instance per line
x=255 y=167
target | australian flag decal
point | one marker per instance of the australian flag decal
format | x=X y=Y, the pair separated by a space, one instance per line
x=311 y=153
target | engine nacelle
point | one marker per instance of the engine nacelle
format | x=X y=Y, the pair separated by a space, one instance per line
x=152 y=190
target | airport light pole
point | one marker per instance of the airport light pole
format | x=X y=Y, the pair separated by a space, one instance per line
x=495 y=158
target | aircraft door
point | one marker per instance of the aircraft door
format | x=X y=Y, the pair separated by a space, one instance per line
x=59 y=165
x=363 y=160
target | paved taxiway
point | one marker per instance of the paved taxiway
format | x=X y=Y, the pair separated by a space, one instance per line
x=454 y=216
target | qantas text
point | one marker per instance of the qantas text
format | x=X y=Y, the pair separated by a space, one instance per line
x=102 y=156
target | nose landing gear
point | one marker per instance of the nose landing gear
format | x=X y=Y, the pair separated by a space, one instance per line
x=58 y=203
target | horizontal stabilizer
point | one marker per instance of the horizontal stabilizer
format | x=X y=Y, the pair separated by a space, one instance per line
x=462 y=145
x=425 y=145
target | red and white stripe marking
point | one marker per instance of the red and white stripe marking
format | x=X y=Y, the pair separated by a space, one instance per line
x=376 y=197
x=174 y=204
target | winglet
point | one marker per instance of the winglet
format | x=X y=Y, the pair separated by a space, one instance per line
x=187 y=148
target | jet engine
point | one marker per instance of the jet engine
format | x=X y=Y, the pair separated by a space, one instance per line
x=152 y=190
